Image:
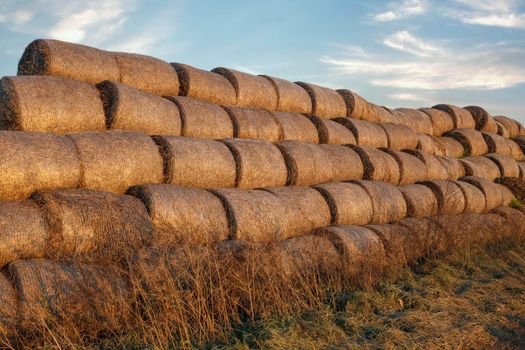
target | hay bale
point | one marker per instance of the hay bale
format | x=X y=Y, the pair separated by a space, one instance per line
x=305 y=254
x=357 y=107
x=79 y=62
x=204 y=85
x=366 y=133
x=346 y=162
x=484 y=121
x=515 y=185
x=435 y=168
x=296 y=127
x=493 y=194
x=385 y=115
x=416 y=120
x=378 y=165
x=502 y=130
x=183 y=215
x=51 y=104
x=512 y=126
x=472 y=141
x=452 y=147
x=506 y=165
x=113 y=161
x=475 y=201
x=441 y=121
x=424 y=237
x=480 y=167
x=401 y=244
x=23 y=231
x=387 y=202
x=521 y=165
x=454 y=167
x=203 y=119
x=251 y=90
x=196 y=162
x=8 y=306
x=127 y=108
x=420 y=199
x=411 y=169
x=290 y=96
x=254 y=123
x=349 y=203
x=516 y=150
x=326 y=102
x=331 y=132
x=36 y=161
x=258 y=163
x=451 y=200
x=461 y=117
x=429 y=144
x=400 y=136
x=496 y=143
x=147 y=73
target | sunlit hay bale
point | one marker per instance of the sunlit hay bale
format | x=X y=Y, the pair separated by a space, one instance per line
x=416 y=120
x=454 y=167
x=24 y=232
x=36 y=161
x=421 y=200
x=202 y=119
x=259 y=163
x=331 y=132
x=461 y=117
x=429 y=144
x=514 y=220
x=346 y=162
x=475 y=201
x=147 y=73
x=296 y=127
x=451 y=200
x=517 y=149
x=182 y=214
x=472 y=141
x=496 y=143
x=54 y=57
x=453 y=148
x=349 y=203
x=49 y=104
x=113 y=161
x=9 y=309
x=512 y=126
x=357 y=107
x=494 y=196
x=386 y=115
x=396 y=240
x=366 y=133
x=502 y=130
x=326 y=102
x=516 y=185
x=480 y=167
x=506 y=195
x=254 y=123
x=251 y=90
x=435 y=168
x=196 y=162
x=521 y=165
x=388 y=203
x=484 y=121
x=400 y=136
x=441 y=121
x=93 y=225
x=290 y=96
x=506 y=165
x=204 y=85
x=426 y=238
x=90 y=298
x=128 y=108
x=378 y=165
x=411 y=169
x=305 y=209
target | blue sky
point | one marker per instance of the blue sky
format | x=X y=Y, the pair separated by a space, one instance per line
x=400 y=53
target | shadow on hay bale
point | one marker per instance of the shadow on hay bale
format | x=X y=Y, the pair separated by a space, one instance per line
x=484 y=121
x=441 y=121
x=496 y=143
x=378 y=165
x=461 y=117
x=366 y=133
x=326 y=103
x=506 y=165
x=349 y=203
x=331 y=132
x=472 y=141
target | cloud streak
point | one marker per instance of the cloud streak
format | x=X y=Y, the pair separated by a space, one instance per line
x=400 y=10
x=501 y=13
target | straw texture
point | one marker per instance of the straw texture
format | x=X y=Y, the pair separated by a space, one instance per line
x=387 y=201
x=254 y=123
x=415 y=119
x=378 y=165
x=290 y=96
x=326 y=103
x=411 y=169
x=429 y=144
x=496 y=143
x=472 y=141
x=452 y=147
x=516 y=150
x=454 y=167
x=8 y=305
x=461 y=117
x=512 y=126
x=366 y=133
x=400 y=136
x=517 y=186
x=296 y=127
x=304 y=254
x=481 y=167
x=502 y=129
x=435 y=168
x=450 y=197
x=484 y=121
x=420 y=199
x=493 y=194
x=332 y=132
x=441 y=121
x=357 y=107
x=349 y=203
x=506 y=165
x=475 y=201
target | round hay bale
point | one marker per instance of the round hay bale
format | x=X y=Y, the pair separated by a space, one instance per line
x=452 y=147
x=513 y=222
x=290 y=96
x=506 y=195
x=196 y=162
x=128 y=108
x=512 y=126
x=49 y=104
x=472 y=141
x=454 y=167
x=435 y=168
x=475 y=201
x=305 y=209
x=461 y=117
x=8 y=306
x=387 y=202
x=400 y=136
x=346 y=162
x=441 y=121
x=24 y=231
x=451 y=200
x=349 y=203
x=183 y=215
x=326 y=102
x=296 y=127
x=400 y=247
x=521 y=165
x=378 y=165
x=36 y=161
x=254 y=215
x=384 y=115
x=502 y=129
x=516 y=185
x=204 y=85
x=416 y=120
x=484 y=121
x=75 y=61
x=496 y=143
x=366 y=133
x=411 y=169
x=331 y=132
x=202 y=119
x=506 y=165
x=516 y=151
x=254 y=123
x=357 y=107
x=147 y=73
x=258 y=163
x=493 y=195
x=251 y=90
x=420 y=199
x=480 y=167
x=429 y=144
x=425 y=237
x=113 y=161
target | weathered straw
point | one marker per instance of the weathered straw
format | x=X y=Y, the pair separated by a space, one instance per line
x=251 y=90
x=451 y=200
x=50 y=104
x=516 y=185
x=481 y=167
x=416 y=120
x=326 y=103
x=521 y=165
x=378 y=165
x=258 y=163
x=424 y=238
x=511 y=125
x=475 y=201
x=8 y=305
x=484 y=121
x=461 y=117
x=346 y=162
x=331 y=132
x=411 y=168
x=113 y=161
x=400 y=136
x=366 y=133
x=502 y=130
x=441 y=121
x=493 y=194
x=429 y=144
x=453 y=148
x=421 y=200
x=204 y=85
x=517 y=150
x=454 y=167
x=472 y=141
x=387 y=115
x=36 y=161
x=400 y=244
x=506 y=165
x=435 y=168
x=357 y=107
x=496 y=143
x=296 y=127
x=127 y=108
x=290 y=96
x=349 y=203
x=254 y=123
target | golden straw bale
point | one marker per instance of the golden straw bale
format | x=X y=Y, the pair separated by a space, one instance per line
x=326 y=102
x=502 y=130
x=416 y=120
x=387 y=201
x=400 y=136
x=521 y=165
x=496 y=143
x=296 y=127
x=254 y=123
x=411 y=168
x=366 y=133
x=346 y=162
x=290 y=96
x=472 y=140
x=512 y=126
x=484 y=121
x=506 y=165
x=435 y=168
x=461 y=117
x=349 y=203
x=357 y=107
x=441 y=121
x=424 y=237
x=429 y=144
x=515 y=185
x=9 y=316
x=452 y=147
x=451 y=200
x=378 y=165
x=385 y=115
x=517 y=149
x=332 y=132
x=475 y=201
x=493 y=194
x=401 y=244
x=455 y=168
x=421 y=200
x=480 y=167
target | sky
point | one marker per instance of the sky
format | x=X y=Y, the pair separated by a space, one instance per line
x=400 y=53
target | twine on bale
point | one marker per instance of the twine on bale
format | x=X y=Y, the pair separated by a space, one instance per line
x=461 y=117
x=254 y=123
x=378 y=165
x=484 y=121
x=290 y=96
x=331 y=132
x=472 y=141
x=296 y=127
x=420 y=199
x=366 y=133
x=326 y=103
x=441 y=121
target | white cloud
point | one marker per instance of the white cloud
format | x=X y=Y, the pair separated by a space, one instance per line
x=501 y=13
x=404 y=41
x=406 y=8
x=409 y=96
